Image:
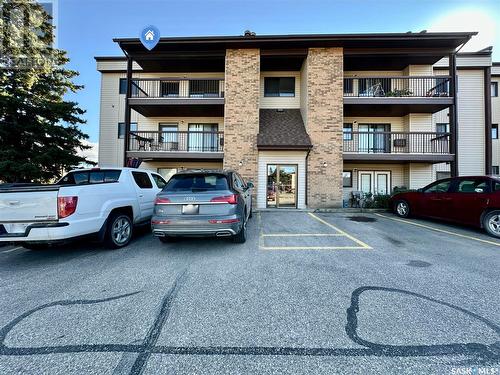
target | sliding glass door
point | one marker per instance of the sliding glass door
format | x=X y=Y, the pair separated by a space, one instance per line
x=373 y=139
x=203 y=137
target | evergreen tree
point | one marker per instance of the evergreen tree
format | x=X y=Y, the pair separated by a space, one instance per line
x=39 y=130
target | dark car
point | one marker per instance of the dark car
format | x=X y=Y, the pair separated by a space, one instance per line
x=203 y=203
x=466 y=200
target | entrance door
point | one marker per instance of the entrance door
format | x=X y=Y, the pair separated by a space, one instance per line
x=374 y=182
x=281 y=186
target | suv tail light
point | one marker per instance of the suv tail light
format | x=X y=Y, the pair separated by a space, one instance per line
x=66 y=206
x=231 y=199
x=160 y=200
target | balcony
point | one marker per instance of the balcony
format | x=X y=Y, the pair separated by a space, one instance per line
x=396 y=96
x=176 y=145
x=381 y=146
x=178 y=96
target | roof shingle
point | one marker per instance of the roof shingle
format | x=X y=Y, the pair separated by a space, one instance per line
x=282 y=129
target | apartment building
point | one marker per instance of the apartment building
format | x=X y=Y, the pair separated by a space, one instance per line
x=308 y=118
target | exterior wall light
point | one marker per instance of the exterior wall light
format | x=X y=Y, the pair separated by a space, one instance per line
x=325 y=164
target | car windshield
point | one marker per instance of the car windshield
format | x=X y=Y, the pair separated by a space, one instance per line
x=197 y=182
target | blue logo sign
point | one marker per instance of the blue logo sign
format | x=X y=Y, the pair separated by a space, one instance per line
x=150 y=36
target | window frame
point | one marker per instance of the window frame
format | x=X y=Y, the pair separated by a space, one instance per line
x=281 y=90
x=121 y=132
x=470 y=179
x=449 y=181
x=350 y=171
x=494 y=131
x=494 y=89
x=157 y=176
x=135 y=173
x=446 y=126
x=122 y=88
x=495 y=169
x=347 y=135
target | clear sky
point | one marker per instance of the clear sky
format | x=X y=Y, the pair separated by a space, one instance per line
x=87 y=27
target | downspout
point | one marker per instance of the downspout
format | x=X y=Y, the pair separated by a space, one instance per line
x=487 y=121
x=306 y=181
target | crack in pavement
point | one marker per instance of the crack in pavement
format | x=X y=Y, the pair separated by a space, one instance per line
x=482 y=354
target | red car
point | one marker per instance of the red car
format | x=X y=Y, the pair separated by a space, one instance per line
x=466 y=200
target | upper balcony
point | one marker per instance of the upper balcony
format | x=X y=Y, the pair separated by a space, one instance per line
x=379 y=146
x=178 y=96
x=396 y=96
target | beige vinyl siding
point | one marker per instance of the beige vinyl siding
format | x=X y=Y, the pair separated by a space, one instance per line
x=110 y=147
x=397 y=175
x=115 y=66
x=155 y=165
x=420 y=175
x=469 y=61
x=303 y=92
x=280 y=102
x=471 y=142
x=281 y=157
x=396 y=123
x=372 y=73
x=418 y=70
x=152 y=123
x=420 y=122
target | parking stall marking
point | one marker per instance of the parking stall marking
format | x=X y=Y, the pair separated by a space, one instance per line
x=360 y=245
x=439 y=230
x=11 y=250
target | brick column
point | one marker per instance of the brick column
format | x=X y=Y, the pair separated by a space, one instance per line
x=325 y=126
x=241 y=112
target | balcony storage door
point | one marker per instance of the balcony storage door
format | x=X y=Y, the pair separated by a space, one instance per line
x=370 y=141
x=203 y=137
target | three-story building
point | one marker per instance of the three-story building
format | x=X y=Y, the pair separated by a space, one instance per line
x=308 y=118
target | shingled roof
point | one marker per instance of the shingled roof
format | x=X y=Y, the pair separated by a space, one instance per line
x=282 y=129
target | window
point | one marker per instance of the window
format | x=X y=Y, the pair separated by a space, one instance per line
x=495 y=169
x=159 y=181
x=169 y=88
x=123 y=87
x=279 y=86
x=347 y=132
x=473 y=186
x=442 y=127
x=347 y=178
x=438 y=187
x=197 y=182
x=494 y=89
x=200 y=88
x=167 y=173
x=348 y=89
x=441 y=175
x=142 y=180
x=494 y=131
x=121 y=129
x=92 y=177
x=238 y=182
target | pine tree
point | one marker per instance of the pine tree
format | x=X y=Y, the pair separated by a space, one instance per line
x=39 y=130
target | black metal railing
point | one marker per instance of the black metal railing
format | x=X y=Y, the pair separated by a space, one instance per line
x=177 y=88
x=397 y=142
x=176 y=141
x=413 y=87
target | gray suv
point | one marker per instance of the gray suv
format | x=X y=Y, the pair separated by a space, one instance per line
x=203 y=203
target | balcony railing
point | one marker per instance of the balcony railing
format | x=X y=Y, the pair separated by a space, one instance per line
x=412 y=87
x=176 y=141
x=177 y=88
x=397 y=142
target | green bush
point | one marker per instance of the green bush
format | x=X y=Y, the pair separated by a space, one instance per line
x=376 y=201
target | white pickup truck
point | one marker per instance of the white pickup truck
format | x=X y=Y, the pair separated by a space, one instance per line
x=106 y=203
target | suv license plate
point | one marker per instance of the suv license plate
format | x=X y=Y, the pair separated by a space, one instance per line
x=190 y=209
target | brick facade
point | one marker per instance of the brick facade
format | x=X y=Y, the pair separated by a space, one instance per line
x=325 y=125
x=241 y=112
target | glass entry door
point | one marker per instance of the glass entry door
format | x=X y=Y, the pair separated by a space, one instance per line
x=374 y=182
x=373 y=138
x=281 y=186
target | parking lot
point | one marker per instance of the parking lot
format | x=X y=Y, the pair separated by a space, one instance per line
x=320 y=293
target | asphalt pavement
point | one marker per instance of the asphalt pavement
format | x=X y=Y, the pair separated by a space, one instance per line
x=308 y=293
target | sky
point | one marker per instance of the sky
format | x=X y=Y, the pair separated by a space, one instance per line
x=86 y=27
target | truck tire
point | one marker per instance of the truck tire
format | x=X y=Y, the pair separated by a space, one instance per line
x=119 y=229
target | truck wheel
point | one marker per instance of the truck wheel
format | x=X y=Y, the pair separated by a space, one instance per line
x=119 y=231
x=35 y=246
x=491 y=222
x=402 y=208
x=241 y=236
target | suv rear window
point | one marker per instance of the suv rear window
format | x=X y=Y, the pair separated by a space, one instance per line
x=90 y=177
x=197 y=182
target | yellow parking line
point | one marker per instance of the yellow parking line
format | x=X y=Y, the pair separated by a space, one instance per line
x=314 y=248
x=302 y=234
x=439 y=230
x=361 y=243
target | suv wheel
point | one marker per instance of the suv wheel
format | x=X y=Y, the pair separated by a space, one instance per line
x=402 y=208
x=119 y=231
x=241 y=236
x=491 y=222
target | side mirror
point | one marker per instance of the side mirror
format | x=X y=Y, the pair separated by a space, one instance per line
x=250 y=185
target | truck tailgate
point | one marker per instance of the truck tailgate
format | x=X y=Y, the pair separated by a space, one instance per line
x=28 y=204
